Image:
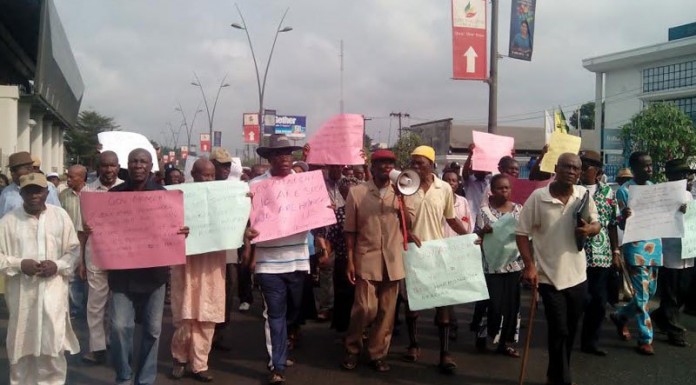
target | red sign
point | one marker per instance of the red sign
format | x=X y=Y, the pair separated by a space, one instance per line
x=205 y=142
x=469 y=54
x=251 y=134
x=184 y=152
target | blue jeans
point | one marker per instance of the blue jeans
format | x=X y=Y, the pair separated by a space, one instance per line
x=78 y=297
x=125 y=308
x=277 y=290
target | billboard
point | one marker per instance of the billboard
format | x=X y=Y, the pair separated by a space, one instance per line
x=205 y=142
x=469 y=53
x=251 y=128
x=269 y=121
x=217 y=138
x=522 y=29
x=612 y=139
x=292 y=126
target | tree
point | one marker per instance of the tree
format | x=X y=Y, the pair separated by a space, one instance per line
x=81 y=140
x=587 y=114
x=663 y=131
x=404 y=146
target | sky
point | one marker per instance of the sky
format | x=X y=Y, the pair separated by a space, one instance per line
x=138 y=58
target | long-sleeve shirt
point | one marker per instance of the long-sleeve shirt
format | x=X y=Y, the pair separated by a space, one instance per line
x=39 y=321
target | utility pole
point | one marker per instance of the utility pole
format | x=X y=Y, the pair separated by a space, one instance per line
x=493 y=77
x=400 y=115
x=341 y=103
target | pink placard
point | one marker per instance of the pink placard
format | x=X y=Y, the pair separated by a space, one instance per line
x=132 y=230
x=523 y=188
x=290 y=205
x=338 y=141
x=489 y=149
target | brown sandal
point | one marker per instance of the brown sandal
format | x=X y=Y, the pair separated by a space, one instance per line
x=380 y=365
x=412 y=353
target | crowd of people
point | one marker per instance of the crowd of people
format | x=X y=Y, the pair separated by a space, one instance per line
x=350 y=273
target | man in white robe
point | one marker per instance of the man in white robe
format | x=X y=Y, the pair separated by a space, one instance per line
x=38 y=252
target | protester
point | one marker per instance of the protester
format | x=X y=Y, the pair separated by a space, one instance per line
x=623 y=176
x=54 y=178
x=137 y=293
x=375 y=264
x=602 y=252
x=52 y=189
x=300 y=166
x=70 y=201
x=173 y=176
x=97 y=279
x=503 y=306
x=222 y=161
x=676 y=273
x=556 y=265
x=359 y=173
x=643 y=259
x=280 y=264
x=38 y=252
x=348 y=172
x=198 y=300
x=433 y=202
x=344 y=291
x=20 y=163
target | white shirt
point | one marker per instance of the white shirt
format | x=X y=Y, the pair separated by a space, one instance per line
x=39 y=321
x=475 y=192
x=282 y=255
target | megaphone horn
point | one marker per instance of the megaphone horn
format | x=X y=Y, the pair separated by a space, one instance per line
x=407 y=181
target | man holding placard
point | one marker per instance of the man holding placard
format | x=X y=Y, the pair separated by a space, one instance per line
x=554 y=217
x=97 y=279
x=433 y=201
x=643 y=259
x=677 y=269
x=280 y=264
x=137 y=293
x=375 y=262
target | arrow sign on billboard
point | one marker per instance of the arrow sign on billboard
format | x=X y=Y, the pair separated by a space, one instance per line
x=251 y=136
x=471 y=60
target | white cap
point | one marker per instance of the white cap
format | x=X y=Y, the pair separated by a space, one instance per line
x=52 y=174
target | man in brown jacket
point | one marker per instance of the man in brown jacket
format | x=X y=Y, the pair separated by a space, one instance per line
x=375 y=264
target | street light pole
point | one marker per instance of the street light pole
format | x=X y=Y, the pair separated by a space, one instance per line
x=261 y=86
x=189 y=129
x=211 y=116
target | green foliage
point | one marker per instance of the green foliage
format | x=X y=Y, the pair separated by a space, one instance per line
x=662 y=130
x=587 y=114
x=81 y=140
x=404 y=146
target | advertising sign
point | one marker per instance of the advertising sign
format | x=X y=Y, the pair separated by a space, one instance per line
x=217 y=138
x=612 y=139
x=251 y=134
x=250 y=119
x=184 y=152
x=269 y=122
x=294 y=127
x=205 y=142
x=522 y=29
x=469 y=54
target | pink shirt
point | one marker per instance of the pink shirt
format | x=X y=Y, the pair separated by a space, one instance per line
x=463 y=214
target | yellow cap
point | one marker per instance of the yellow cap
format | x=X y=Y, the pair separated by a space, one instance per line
x=425 y=151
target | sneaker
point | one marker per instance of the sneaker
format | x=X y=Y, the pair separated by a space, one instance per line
x=95 y=358
x=244 y=306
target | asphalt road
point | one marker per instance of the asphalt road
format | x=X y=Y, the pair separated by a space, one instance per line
x=318 y=356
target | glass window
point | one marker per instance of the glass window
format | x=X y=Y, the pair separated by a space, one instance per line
x=669 y=77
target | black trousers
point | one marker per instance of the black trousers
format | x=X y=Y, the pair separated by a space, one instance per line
x=673 y=287
x=563 y=310
x=244 y=287
x=690 y=304
x=228 y=300
x=503 y=305
x=595 y=307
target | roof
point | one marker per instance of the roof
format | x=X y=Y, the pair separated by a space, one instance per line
x=526 y=138
x=642 y=55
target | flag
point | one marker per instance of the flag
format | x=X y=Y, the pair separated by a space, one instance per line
x=560 y=121
x=549 y=125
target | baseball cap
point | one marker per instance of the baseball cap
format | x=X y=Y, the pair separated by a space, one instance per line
x=35 y=179
x=220 y=155
x=425 y=151
x=383 y=154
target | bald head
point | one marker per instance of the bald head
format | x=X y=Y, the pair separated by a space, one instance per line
x=139 y=166
x=108 y=168
x=568 y=168
x=77 y=177
x=203 y=170
x=108 y=157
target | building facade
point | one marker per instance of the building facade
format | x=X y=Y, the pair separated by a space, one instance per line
x=628 y=81
x=40 y=85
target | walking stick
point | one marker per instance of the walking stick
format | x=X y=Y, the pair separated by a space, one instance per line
x=525 y=355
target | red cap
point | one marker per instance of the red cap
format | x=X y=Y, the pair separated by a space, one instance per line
x=383 y=155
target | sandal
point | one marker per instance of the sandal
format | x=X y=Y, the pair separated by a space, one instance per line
x=509 y=351
x=621 y=328
x=380 y=365
x=350 y=362
x=412 y=353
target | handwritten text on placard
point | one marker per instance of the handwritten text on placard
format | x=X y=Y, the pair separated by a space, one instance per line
x=216 y=214
x=655 y=211
x=290 y=205
x=444 y=272
x=135 y=229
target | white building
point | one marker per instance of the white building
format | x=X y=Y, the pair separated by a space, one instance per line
x=626 y=82
x=40 y=84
